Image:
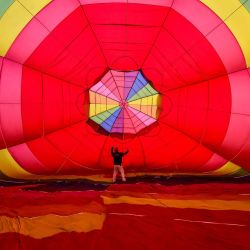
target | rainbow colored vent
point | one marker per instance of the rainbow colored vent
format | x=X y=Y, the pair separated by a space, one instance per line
x=123 y=102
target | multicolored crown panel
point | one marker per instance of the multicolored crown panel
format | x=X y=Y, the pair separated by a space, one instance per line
x=123 y=102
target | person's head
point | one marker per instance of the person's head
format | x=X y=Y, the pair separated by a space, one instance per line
x=116 y=149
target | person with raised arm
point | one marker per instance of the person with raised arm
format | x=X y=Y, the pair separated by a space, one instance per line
x=117 y=158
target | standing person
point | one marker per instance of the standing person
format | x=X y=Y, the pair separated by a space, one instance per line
x=117 y=157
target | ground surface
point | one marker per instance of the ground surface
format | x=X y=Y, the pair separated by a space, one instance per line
x=141 y=215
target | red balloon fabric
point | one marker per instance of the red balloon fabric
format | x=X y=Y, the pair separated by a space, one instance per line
x=186 y=50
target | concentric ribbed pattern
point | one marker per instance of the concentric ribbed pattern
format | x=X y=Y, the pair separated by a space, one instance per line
x=123 y=102
x=196 y=54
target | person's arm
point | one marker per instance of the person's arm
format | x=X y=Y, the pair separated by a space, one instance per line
x=112 y=150
x=125 y=152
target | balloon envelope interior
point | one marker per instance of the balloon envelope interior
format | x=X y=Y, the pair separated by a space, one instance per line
x=168 y=80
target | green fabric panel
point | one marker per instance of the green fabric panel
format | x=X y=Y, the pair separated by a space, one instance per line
x=240 y=172
x=99 y=118
x=4 y=5
x=147 y=90
x=150 y=89
x=246 y=4
x=96 y=119
x=135 y=97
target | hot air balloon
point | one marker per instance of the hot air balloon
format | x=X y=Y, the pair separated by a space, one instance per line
x=169 y=80
x=193 y=55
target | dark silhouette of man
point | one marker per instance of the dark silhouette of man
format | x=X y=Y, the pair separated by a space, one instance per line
x=117 y=157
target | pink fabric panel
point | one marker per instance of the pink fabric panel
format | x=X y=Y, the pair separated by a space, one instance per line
x=214 y=162
x=101 y=1
x=240 y=91
x=97 y=86
x=10 y=85
x=27 y=41
x=227 y=48
x=35 y=32
x=10 y=99
x=236 y=142
x=1 y=62
x=2 y=142
x=242 y=158
x=195 y=12
x=166 y=3
x=56 y=12
x=149 y=121
x=11 y=123
x=237 y=135
x=239 y=126
x=106 y=92
x=221 y=38
x=25 y=157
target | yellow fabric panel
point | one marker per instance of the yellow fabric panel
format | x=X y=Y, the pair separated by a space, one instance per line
x=222 y=8
x=11 y=24
x=48 y=225
x=101 y=107
x=95 y=109
x=227 y=169
x=15 y=19
x=91 y=109
x=136 y=102
x=156 y=99
x=34 y=6
x=10 y=167
x=153 y=100
x=241 y=205
x=147 y=100
x=238 y=22
x=110 y=106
